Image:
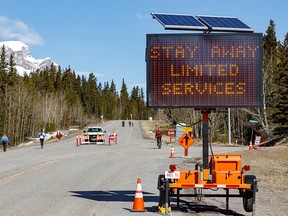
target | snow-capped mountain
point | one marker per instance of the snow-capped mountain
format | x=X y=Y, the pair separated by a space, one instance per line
x=23 y=59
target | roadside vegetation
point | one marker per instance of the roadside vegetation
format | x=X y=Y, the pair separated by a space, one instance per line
x=57 y=98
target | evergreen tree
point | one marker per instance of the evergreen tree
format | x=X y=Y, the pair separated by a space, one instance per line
x=134 y=102
x=58 y=80
x=3 y=85
x=270 y=59
x=143 y=111
x=269 y=68
x=114 y=101
x=124 y=102
x=280 y=111
x=93 y=97
x=3 y=70
x=12 y=72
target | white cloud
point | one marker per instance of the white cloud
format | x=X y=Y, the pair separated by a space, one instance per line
x=18 y=30
x=143 y=16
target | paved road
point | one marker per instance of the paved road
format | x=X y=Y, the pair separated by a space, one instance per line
x=92 y=180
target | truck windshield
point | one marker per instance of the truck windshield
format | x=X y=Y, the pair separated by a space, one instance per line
x=94 y=130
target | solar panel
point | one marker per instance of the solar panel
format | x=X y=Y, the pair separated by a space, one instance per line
x=220 y=23
x=177 y=21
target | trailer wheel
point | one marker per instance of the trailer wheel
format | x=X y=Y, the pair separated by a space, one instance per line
x=248 y=194
x=248 y=201
x=162 y=194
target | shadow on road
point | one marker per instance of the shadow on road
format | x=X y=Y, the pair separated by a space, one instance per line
x=201 y=208
x=128 y=196
x=114 y=195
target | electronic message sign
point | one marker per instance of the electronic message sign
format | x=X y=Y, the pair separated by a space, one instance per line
x=204 y=70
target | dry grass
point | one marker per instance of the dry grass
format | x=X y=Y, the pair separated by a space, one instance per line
x=270 y=165
x=149 y=128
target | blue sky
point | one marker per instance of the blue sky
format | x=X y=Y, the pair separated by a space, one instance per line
x=108 y=37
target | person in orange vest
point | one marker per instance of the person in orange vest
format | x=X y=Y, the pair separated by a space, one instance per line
x=158 y=136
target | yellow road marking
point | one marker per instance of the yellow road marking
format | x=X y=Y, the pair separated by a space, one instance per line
x=42 y=165
x=45 y=164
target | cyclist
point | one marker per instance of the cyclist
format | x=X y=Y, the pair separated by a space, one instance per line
x=158 y=136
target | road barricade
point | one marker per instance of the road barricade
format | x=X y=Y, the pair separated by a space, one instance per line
x=78 y=139
x=112 y=137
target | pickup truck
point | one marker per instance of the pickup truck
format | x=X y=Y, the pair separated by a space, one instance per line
x=94 y=135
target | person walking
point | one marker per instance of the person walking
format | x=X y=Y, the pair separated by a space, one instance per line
x=4 y=141
x=41 y=136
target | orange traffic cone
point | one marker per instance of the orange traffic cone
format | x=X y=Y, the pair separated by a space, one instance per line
x=250 y=146
x=138 y=205
x=172 y=152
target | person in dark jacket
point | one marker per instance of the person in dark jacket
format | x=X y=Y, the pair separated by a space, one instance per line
x=4 y=141
x=41 y=136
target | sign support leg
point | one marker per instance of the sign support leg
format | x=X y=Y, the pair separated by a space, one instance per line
x=205 y=113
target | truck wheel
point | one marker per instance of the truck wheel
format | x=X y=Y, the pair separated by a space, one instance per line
x=248 y=194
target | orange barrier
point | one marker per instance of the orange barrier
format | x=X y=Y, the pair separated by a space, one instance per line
x=172 y=152
x=77 y=140
x=112 y=137
x=138 y=205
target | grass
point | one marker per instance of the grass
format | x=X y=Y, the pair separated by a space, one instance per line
x=269 y=165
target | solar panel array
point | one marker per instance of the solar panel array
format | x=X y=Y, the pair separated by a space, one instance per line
x=176 y=21
x=203 y=23
x=218 y=23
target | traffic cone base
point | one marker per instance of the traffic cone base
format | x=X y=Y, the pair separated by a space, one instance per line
x=138 y=205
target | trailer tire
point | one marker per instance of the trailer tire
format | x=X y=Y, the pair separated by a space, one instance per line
x=248 y=194
x=248 y=201
x=162 y=194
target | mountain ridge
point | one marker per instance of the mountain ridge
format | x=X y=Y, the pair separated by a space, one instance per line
x=25 y=62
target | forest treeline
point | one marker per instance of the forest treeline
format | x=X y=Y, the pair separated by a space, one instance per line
x=56 y=98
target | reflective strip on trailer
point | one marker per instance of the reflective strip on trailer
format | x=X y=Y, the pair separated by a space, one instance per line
x=207 y=186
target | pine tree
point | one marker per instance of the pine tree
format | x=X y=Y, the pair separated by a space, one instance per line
x=143 y=111
x=93 y=96
x=57 y=81
x=3 y=85
x=280 y=111
x=134 y=102
x=124 y=102
x=12 y=72
x=270 y=59
x=3 y=70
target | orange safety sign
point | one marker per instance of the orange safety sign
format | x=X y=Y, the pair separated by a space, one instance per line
x=186 y=140
x=58 y=135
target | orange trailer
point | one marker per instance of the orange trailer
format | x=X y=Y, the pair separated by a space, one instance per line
x=219 y=171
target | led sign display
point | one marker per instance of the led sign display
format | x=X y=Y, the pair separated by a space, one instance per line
x=204 y=70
